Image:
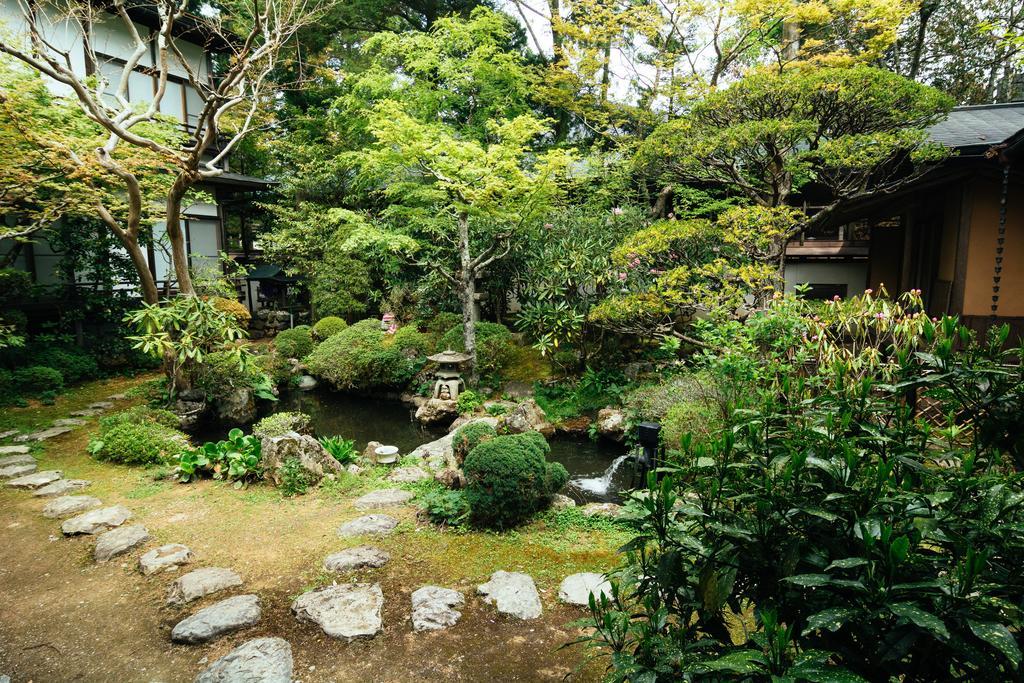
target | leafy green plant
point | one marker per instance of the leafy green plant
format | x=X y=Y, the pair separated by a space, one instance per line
x=468 y=402
x=138 y=436
x=342 y=450
x=508 y=478
x=445 y=508
x=496 y=409
x=469 y=436
x=236 y=458
x=494 y=346
x=853 y=538
x=361 y=357
x=294 y=478
x=281 y=423
x=36 y=379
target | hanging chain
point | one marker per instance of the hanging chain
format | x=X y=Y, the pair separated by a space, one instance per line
x=997 y=273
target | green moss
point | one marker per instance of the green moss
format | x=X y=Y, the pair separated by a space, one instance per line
x=281 y=423
x=361 y=357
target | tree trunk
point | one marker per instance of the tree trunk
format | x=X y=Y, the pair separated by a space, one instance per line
x=790 y=40
x=179 y=250
x=468 y=281
x=147 y=283
x=923 y=15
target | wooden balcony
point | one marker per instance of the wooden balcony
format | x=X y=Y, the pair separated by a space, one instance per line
x=828 y=249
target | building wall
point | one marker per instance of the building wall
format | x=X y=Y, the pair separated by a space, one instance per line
x=852 y=274
x=984 y=222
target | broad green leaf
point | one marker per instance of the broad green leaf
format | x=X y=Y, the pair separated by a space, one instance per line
x=920 y=618
x=999 y=637
x=831 y=619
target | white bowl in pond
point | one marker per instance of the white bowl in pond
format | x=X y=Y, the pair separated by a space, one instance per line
x=386 y=455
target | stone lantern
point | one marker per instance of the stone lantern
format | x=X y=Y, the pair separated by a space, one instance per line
x=449 y=382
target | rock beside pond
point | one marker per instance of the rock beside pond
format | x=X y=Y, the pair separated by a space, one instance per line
x=313 y=457
x=525 y=417
x=13 y=450
x=383 y=498
x=96 y=521
x=433 y=608
x=437 y=412
x=576 y=589
x=218 y=619
x=611 y=424
x=261 y=660
x=560 y=500
x=408 y=475
x=119 y=541
x=378 y=525
x=601 y=510
x=238 y=407
x=165 y=558
x=201 y=582
x=70 y=505
x=348 y=611
x=20 y=459
x=61 y=487
x=370 y=452
x=17 y=469
x=574 y=426
x=466 y=419
x=438 y=454
x=190 y=413
x=451 y=477
x=512 y=593
x=44 y=434
x=306 y=383
x=35 y=480
x=360 y=557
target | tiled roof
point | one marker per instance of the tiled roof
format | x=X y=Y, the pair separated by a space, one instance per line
x=977 y=128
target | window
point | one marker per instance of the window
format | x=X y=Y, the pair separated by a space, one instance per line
x=822 y=292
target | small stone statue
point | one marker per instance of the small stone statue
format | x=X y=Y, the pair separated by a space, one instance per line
x=445 y=394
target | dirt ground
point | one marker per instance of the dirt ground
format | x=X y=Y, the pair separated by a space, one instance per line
x=64 y=618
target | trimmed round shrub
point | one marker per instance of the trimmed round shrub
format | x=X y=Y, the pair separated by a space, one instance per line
x=411 y=341
x=73 y=363
x=494 y=346
x=360 y=357
x=279 y=424
x=236 y=309
x=325 y=328
x=36 y=379
x=509 y=478
x=467 y=437
x=220 y=374
x=139 y=436
x=294 y=343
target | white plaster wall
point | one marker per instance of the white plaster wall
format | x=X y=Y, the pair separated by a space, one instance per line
x=853 y=274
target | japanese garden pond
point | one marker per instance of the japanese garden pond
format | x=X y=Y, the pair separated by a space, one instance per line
x=598 y=471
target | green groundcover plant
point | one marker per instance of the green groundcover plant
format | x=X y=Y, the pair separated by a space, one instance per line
x=861 y=518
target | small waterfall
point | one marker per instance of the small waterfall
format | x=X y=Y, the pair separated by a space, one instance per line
x=600 y=485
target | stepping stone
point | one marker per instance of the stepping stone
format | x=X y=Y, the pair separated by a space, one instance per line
x=601 y=510
x=96 y=521
x=432 y=608
x=8 y=434
x=360 y=557
x=61 y=487
x=378 y=525
x=349 y=610
x=43 y=434
x=165 y=558
x=21 y=459
x=117 y=397
x=69 y=422
x=576 y=589
x=85 y=413
x=35 y=480
x=408 y=475
x=200 y=582
x=383 y=498
x=70 y=505
x=100 y=405
x=13 y=450
x=262 y=660
x=18 y=470
x=512 y=593
x=226 y=616
x=119 y=541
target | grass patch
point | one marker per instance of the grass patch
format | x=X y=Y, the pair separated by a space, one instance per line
x=147 y=489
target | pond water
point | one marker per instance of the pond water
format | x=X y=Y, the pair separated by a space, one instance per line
x=598 y=471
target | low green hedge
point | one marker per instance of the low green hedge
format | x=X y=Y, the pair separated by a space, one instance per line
x=295 y=343
x=325 y=328
x=139 y=436
x=362 y=356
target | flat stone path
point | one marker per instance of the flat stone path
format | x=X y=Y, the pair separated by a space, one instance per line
x=61 y=487
x=118 y=541
x=374 y=525
x=577 y=588
x=226 y=616
x=433 y=608
x=360 y=557
x=43 y=434
x=512 y=593
x=347 y=611
x=165 y=558
x=21 y=459
x=201 y=582
x=261 y=660
x=383 y=498
x=96 y=521
x=35 y=480
x=64 y=506
x=18 y=469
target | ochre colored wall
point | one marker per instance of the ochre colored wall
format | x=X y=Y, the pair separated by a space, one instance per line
x=981 y=252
